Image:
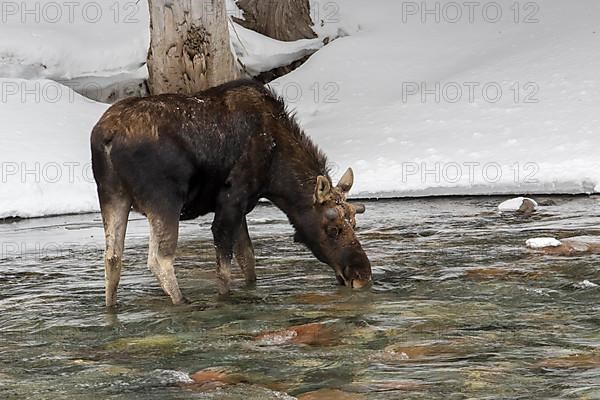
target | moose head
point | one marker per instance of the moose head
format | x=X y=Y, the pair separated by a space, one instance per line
x=327 y=229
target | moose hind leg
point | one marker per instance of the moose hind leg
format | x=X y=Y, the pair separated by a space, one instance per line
x=161 y=253
x=244 y=254
x=114 y=217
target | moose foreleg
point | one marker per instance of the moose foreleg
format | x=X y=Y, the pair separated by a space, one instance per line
x=229 y=226
x=161 y=254
x=225 y=230
x=223 y=272
x=244 y=254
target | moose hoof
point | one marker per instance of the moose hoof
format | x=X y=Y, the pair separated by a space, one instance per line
x=111 y=302
x=224 y=296
x=250 y=282
x=182 y=301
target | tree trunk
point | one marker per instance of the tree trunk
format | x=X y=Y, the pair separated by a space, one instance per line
x=286 y=20
x=189 y=46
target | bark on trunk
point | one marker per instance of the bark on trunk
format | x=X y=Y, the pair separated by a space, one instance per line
x=286 y=20
x=189 y=46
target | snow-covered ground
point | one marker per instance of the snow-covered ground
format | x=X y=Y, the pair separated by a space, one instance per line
x=462 y=105
x=541 y=134
x=45 y=156
x=63 y=40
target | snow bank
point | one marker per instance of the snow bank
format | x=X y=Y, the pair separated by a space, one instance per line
x=259 y=53
x=470 y=107
x=63 y=40
x=45 y=163
x=76 y=43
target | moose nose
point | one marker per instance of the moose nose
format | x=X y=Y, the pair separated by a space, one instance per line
x=359 y=283
x=353 y=283
x=357 y=278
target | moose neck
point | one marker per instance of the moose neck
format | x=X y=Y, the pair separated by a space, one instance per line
x=295 y=165
x=294 y=172
x=291 y=190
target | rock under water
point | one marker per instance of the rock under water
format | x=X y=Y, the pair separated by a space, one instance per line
x=311 y=334
x=330 y=394
x=576 y=245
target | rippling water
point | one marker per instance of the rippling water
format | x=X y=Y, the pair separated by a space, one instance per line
x=459 y=309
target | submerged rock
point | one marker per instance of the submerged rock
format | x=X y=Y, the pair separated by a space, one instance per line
x=566 y=247
x=221 y=390
x=501 y=273
x=405 y=352
x=330 y=394
x=213 y=378
x=386 y=386
x=216 y=375
x=584 y=361
x=405 y=386
x=209 y=379
x=317 y=298
x=155 y=343
x=171 y=377
x=311 y=334
x=418 y=352
x=523 y=205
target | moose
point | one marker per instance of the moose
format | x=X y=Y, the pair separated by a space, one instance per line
x=175 y=157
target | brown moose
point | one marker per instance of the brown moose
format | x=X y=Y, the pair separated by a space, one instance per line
x=175 y=157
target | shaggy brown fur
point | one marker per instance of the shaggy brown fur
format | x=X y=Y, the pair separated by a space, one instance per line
x=174 y=157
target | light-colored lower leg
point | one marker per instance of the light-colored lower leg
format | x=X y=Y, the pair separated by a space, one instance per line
x=163 y=269
x=244 y=254
x=114 y=217
x=161 y=256
x=112 y=276
x=223 y=274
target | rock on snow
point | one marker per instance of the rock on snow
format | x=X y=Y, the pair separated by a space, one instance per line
x=521 y=204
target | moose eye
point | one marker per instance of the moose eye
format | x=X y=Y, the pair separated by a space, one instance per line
x=333 y=231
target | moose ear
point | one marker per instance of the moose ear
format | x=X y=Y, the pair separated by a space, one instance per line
x=322 y=189
x=359 y=208
x=346 y=181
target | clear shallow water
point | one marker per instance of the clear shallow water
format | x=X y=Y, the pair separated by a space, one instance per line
x=460 y=309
